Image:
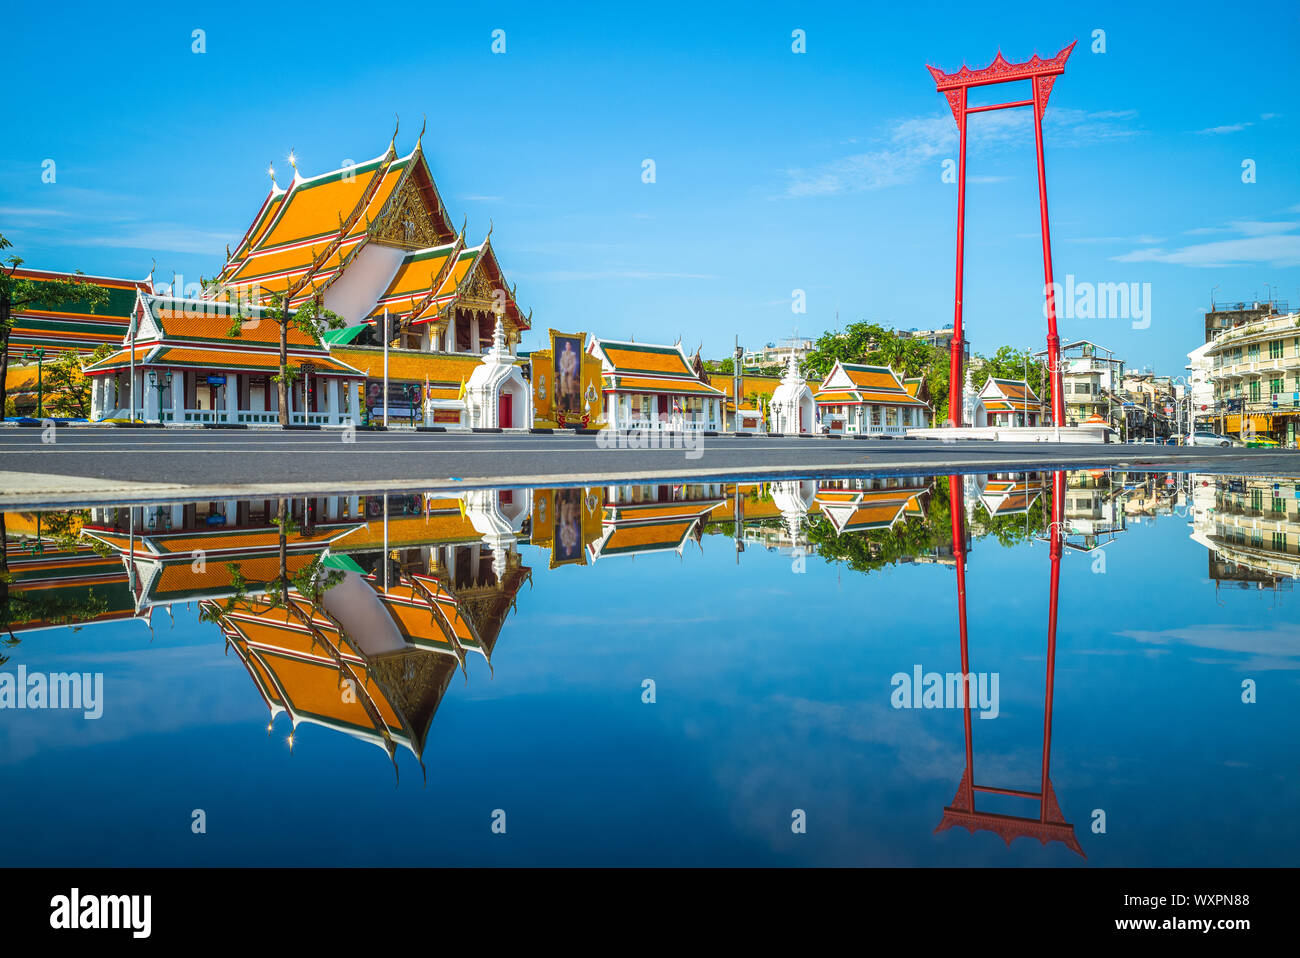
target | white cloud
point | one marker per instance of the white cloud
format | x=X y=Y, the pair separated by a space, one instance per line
x=1276 y=648
x=913 y=144
x=1227 y=128
x=1257 y=243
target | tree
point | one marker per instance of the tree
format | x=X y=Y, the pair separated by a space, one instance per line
x=875 y=345
x=18 y=293
x=311 y=318
x=1010 y=363
x=67 y=388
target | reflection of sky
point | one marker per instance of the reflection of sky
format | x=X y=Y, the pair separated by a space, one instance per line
x=773 y=694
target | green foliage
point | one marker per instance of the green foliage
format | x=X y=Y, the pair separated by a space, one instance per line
x=876 y=345
x=1010 y=363
x=18 y=293
x=66 y=389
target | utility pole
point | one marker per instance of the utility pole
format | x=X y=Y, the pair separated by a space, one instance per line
x=738 y=354
x=385 y=375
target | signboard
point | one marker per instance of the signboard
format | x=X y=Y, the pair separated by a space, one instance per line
x=216 y=380
x=403 y=400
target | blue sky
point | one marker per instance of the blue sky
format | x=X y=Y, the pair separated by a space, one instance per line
x=775 y=171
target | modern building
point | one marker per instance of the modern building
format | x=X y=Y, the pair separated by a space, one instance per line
x=856 y=399
x=1090 y=378
x=777 y=354
x=1255 y=376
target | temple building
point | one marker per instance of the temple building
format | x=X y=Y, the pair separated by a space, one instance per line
x=857 y=399
x=375 y=244
x=656 y=388
x=1007 y=402
x=180 y=364
x=41 y=336
x=74 y=327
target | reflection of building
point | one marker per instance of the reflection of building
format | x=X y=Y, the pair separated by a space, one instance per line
x=1251 y=527
x=856 y=399
x=1002 y=493
x=420 y=588
x=861 y=505
x=642 y=519
x=184 y=552
x=48 y=581
x=1093 y=510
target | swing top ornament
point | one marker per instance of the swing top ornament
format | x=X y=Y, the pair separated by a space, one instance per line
x=1042 y=72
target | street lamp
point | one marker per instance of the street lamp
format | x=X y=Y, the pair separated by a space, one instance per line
x=39 y=355
x=160 y=383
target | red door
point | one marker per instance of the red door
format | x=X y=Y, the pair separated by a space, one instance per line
x=507 y=411
x=663 y=406
x=801 y=417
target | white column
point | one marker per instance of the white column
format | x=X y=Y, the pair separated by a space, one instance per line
x=473 y=334
x=332 y=397
x=232 y=397
x=178 y=395
x=94 y=398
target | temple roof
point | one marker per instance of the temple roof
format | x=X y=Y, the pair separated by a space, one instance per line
x=74 y=326
x=642 y=367
x=172 y=331
x=853 y=383
x=1009 y=395
x=306 y=237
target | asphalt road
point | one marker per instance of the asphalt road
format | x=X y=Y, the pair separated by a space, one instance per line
x=133 y=465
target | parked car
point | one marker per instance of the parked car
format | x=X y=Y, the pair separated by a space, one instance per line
x=1200 y=438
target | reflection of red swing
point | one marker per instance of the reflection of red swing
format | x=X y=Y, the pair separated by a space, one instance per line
x=1050 y=825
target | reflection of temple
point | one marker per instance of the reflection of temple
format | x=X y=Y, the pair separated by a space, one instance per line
x=1002 y=493
x=182 y=553
x=1251 y=527
x=50 y=580
x=860 y=505
x=1049 y=825
x=642 y=519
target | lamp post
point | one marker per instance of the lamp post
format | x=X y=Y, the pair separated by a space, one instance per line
x=736 y=385
x=39 y=355
x=160 y=383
